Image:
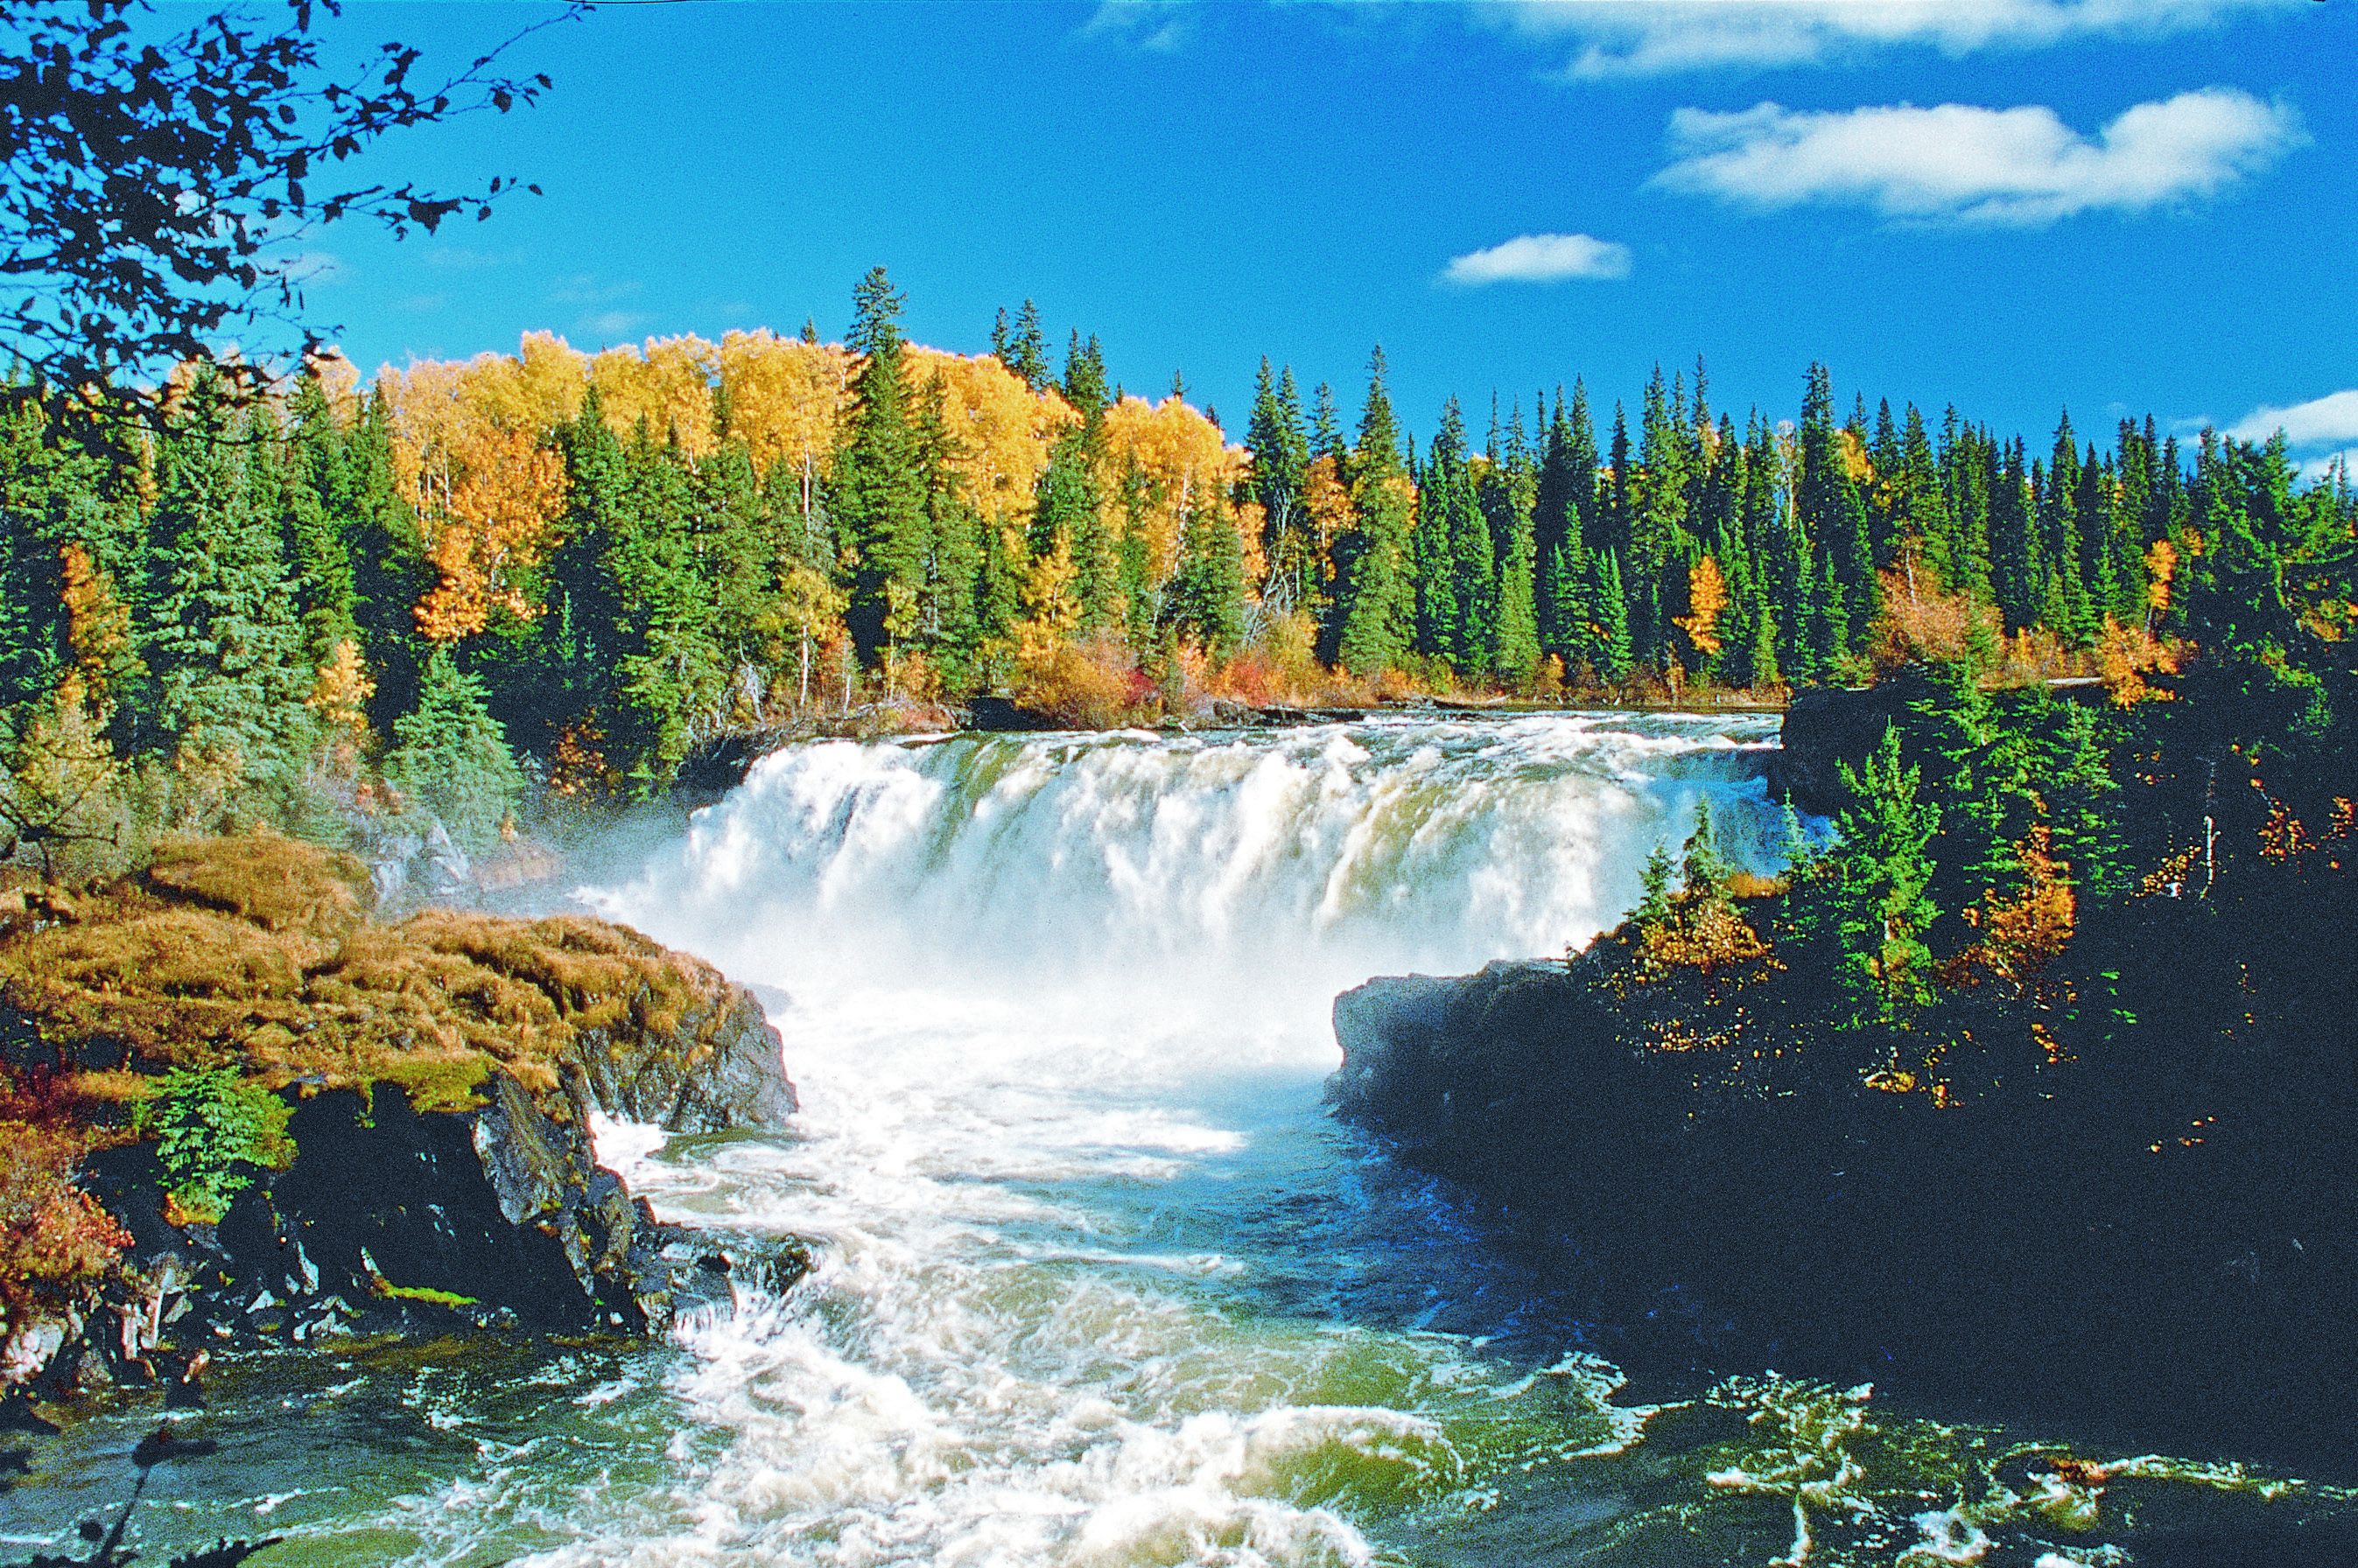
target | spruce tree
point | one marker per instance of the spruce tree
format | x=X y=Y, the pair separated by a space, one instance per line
x=1507 y=491
x=1084 y=386
x=225 y=645
x=1834 y=517
x=1027 y=347
x=1373 y=622
x=1208 y=592
x=1066 y=506
x=1616 y=657
x=879 y=486
x=1281 y=454
x=450 y=759
x=1883 y=867
x=317 y=504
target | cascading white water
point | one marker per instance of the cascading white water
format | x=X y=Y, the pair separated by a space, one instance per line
x=1098 y=1280
x=1100 y=1283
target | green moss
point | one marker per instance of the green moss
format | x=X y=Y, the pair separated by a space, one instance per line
x=426 y=1294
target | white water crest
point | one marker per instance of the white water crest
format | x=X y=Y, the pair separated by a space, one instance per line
x=1099 y=1282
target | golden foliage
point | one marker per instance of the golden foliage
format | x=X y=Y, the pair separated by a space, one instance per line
x=498 y=522
x=1000 y=430
x=1706 y=598
x=2160 y=572
x=666 y=384
x=1174 y=456
x=1052 y=608
x=341 y=691
x=2023 y=931
x=788 y=400
x=1326 y=503
x=1920 y=625
x=1090 y=685
x=1702 y=931
x=2125 y=655
x=98 y=627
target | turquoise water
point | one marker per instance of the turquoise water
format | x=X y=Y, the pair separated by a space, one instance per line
x=1099 y=1281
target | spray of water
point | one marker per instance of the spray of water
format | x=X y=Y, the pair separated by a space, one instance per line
x=1100 y=1285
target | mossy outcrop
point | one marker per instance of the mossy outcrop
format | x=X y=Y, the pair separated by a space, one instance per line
x=440 y=1073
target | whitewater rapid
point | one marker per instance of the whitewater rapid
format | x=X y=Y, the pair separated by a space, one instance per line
x=1098 y=1283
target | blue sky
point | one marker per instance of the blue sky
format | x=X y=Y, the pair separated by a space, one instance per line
x=2013 y=205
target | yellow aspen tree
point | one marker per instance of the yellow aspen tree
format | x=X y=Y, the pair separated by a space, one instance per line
x=496 y=524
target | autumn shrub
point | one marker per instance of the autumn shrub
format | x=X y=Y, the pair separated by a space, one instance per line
x=1920 y=624
x=2125 y=656
x=53 y=1236
x=212 y=1131
x=276 y=882
x=184 y=969
x=1088 y=685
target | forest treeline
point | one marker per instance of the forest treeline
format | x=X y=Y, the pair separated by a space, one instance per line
x=426 y=592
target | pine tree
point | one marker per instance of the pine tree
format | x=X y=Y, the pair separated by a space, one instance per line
x=451 y=758
x=879 y=489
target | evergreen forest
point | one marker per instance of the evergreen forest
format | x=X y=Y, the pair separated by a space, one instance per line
x=552 y=575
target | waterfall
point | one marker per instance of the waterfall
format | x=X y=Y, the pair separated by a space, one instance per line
x=1100 y=1283
x=1269 y=868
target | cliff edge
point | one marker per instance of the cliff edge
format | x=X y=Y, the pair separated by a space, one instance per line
x=235 y=1108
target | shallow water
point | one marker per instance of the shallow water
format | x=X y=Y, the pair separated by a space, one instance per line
x=1099 y=1281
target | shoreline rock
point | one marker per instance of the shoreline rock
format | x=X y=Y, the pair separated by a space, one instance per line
x=2022 y=1259
x=439 y=1076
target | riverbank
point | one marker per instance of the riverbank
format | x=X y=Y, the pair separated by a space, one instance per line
x=2120 y=1213
x=297 y=1121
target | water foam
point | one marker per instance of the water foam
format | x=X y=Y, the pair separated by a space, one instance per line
x=1058 y=1018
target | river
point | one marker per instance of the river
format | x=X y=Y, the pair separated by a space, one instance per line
x=1099 y=1281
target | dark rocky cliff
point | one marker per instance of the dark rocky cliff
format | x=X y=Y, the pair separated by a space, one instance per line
x=439 y=1076
x=2076 y=1249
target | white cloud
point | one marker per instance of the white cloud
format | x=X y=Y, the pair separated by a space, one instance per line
x=1159 y=25
x=1974 y=164
x=1540 y=258
x=613 y=326
x=2319 y=466
x=2328 y=420
x=1640 y=37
